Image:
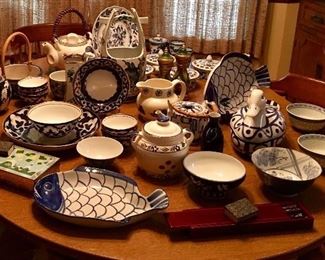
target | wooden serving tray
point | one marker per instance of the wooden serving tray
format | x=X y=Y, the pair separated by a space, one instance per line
x=271 y=217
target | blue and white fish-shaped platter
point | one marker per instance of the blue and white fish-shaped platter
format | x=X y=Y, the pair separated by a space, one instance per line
x=96 y=197
x=229 y=84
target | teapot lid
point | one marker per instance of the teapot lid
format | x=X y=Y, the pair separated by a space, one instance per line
x=72 y=40
x=158 y=39
x=162 y=127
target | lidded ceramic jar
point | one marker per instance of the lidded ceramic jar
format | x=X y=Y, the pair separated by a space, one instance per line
x=156 y=43
x=257 y=125
x=190 y=115
x=161 y=147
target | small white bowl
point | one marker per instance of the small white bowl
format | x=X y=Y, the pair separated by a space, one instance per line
x=213 y=173
x=306 y=117
x=314 y=145
x=54 y=118
x=99 y=150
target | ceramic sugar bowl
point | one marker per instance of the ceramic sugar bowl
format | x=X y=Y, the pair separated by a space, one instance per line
x=161 y=147
x=256 y=125
x=191 y=115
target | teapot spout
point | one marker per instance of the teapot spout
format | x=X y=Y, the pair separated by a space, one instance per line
x=52 y=54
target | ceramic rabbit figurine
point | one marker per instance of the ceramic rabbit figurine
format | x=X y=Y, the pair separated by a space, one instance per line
x=257 y=125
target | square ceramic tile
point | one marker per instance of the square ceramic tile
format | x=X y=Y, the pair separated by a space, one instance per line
x=27 y=163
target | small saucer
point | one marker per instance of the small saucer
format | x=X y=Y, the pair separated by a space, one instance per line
x=19 y=128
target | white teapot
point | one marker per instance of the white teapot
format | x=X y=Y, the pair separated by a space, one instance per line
x=161 y=147
x=257 y=125
x=66 y=45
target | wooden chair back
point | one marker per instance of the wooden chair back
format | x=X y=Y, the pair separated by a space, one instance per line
x=298 y=88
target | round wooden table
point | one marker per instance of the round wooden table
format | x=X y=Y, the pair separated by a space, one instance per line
x=151 y=238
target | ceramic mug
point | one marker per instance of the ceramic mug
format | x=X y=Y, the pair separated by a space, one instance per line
x=58 y=84
x=121 y=127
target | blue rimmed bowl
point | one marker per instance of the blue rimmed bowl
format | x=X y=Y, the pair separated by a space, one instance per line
x=314 y=145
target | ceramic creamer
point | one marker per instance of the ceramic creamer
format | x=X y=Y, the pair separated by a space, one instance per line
x=155 y=94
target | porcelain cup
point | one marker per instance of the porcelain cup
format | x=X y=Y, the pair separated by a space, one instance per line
x=58 y=84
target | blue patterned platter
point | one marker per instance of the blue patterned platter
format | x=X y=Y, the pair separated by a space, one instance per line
x=96 y=198
x=19 y=128
x=100 y=85
x=229 y=83
x=118 y=34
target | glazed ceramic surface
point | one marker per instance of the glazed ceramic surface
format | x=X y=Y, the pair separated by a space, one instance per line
x=306 y=117
x=230 y=82
x=284 y=170
x=54 y=118
x=149 y=69
x=5 y=94
x=157 y=43
x=121 y=127
x=190 y=115
x=192 y=73
x=213 y=173
x=27 y=163
x=58 y=84
x=33 y=90
x=121 y=33
x=99 y=150
x=205 y=65
x=257 y=125
x=314 y=145
x=175 y=45
x=16 y=72
x=155 y=94
x=96 y=198
x=19 y=128
x=161 y=147
x=100 y=85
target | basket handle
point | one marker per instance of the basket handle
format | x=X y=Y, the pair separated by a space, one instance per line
x=5 y=47
x=63 y=13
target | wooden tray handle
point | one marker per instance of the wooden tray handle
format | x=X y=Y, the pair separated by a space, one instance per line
x=10 y=38
x=63 y=13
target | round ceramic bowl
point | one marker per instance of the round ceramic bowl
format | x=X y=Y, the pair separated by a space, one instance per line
x=17 y=72
x=314 y=145
x=306 y=117
x=121 y=127
x=99 y=151
x=285 y=171
x=58 y=84
x=54 y=118
x=213 y=174
x=32 y=90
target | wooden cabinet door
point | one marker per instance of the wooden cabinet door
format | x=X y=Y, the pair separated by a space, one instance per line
x=308 y=57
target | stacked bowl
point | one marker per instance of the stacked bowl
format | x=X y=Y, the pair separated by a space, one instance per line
x=33 y=90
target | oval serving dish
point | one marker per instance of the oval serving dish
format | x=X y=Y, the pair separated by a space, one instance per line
x=96 y=198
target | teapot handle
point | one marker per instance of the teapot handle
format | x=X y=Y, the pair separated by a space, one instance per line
x=63 y=13
x=183 y=88
x=188 y=135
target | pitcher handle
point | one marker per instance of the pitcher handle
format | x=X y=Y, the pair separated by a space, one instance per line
x=183 y=88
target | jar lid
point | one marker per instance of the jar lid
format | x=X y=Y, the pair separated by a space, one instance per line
x=190 y=108
x=162 y=127
x=157 y=39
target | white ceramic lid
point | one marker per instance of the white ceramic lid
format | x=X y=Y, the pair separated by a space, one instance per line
x=162 y=129
x=72 y=39
x=157 y=39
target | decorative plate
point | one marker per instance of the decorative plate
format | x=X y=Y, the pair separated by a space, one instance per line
x=100 y=85
x=19 y=128
x=152 y=58
x=96 y=197
x=192 y=73
x=229 y=83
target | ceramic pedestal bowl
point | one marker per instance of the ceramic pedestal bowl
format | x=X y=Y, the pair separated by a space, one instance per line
x=213 y=174
x=54 y=118
x=121 y=127
x=285 y=171
x=306 y=117
x=313 y=145
x=33 y=90
x=99 y=151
